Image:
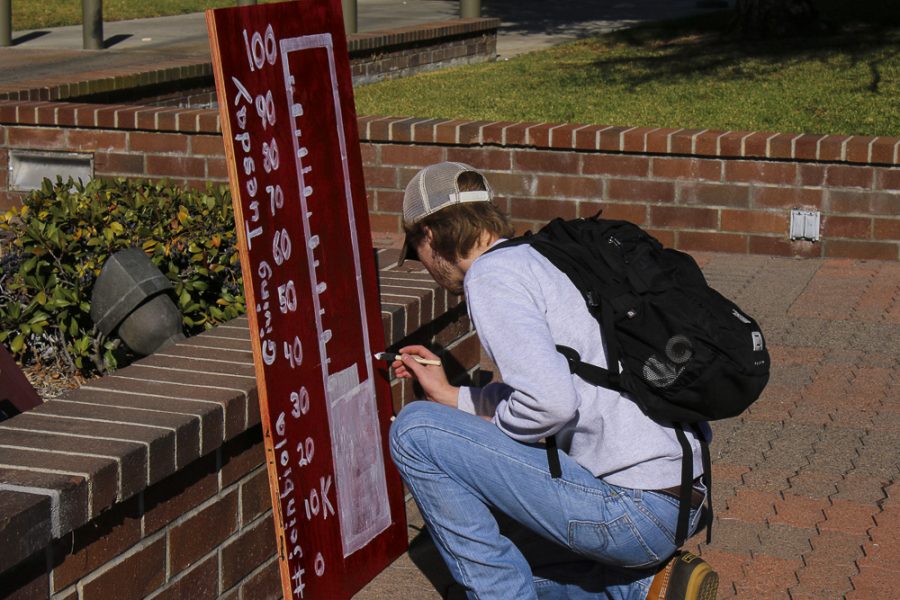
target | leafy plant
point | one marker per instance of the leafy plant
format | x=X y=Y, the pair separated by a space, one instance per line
x=63 y=234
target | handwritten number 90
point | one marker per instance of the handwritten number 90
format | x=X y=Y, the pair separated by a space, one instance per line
x=261 y=49
x=265 y=108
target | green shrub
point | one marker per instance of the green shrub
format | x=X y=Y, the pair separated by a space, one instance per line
x=64 y=233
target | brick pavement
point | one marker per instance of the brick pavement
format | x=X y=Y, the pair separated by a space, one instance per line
x=806 y=495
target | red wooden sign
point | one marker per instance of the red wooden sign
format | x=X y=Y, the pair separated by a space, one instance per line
x=16 y=393
x=286 y=105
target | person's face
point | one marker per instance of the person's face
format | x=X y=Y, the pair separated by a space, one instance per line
x=447 y=275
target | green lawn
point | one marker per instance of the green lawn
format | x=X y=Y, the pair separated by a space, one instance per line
x=35 y=14
x=679 y=74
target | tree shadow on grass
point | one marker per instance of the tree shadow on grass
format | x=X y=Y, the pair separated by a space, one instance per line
x=700 y=47
x=581 y=18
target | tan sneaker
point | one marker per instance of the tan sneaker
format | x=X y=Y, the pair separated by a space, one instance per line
x=685 y=577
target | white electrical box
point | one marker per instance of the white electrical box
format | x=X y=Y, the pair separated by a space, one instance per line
x=805 y=225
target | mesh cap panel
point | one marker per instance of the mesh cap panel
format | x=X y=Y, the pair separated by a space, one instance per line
x=435 y=187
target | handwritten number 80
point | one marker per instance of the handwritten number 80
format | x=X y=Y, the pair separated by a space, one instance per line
x=270 y=156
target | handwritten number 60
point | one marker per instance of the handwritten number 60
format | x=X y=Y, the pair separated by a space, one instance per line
x=281 y=246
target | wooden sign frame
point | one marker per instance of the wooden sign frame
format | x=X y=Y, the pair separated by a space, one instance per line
x=16 y=393
x=289 y=125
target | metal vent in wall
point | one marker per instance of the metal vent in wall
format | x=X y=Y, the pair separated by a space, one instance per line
x=27 y=168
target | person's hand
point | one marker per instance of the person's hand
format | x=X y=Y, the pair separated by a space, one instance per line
x=431 y=377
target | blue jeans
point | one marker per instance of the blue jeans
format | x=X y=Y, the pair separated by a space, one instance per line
x=575 y=537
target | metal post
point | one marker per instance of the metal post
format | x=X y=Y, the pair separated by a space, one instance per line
x=350 y=22
x=5 y=22
x=246 y=2
x=469 y=9
x=92 y=24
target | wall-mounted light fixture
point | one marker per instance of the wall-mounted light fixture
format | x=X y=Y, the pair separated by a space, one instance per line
x=130 y=297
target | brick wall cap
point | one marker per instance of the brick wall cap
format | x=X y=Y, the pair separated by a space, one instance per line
x=706 y=142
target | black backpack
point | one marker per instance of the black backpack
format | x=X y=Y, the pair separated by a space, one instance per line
x=687 y=353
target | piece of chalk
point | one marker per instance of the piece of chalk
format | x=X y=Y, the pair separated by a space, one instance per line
x=392 y=356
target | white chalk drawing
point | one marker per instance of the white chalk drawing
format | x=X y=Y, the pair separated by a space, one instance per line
x=360 y=483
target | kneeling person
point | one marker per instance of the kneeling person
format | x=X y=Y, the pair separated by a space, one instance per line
x=474 y=458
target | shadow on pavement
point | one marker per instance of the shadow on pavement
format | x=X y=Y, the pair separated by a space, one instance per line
x=115 y=39
x=27 y=37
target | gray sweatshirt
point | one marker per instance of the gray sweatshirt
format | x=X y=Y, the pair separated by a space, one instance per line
x=522 y=306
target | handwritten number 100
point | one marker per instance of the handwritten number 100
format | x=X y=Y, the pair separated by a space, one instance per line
x=260 y=50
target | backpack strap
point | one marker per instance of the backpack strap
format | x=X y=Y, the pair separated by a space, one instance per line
x=707 y=481
x=553 y=457
x=687 y=471
x=587 y=371
x=687 y=480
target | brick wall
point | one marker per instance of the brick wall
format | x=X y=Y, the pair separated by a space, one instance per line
x=203 y=532
x=695 y=190
x=150 y=483
x=184 y=146
x=401 y=52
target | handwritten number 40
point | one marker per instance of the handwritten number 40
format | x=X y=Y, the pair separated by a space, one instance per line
x=260 y=49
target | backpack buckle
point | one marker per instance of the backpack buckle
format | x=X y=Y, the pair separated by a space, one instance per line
x=571 y=356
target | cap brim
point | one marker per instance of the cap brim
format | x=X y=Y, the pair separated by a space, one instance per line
x=407 y=252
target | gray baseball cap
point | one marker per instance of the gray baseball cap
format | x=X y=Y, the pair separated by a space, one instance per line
x=436 y=187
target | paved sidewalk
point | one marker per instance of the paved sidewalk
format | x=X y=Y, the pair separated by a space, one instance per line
x=526 y=25
x=143 y=44
x=806 y=495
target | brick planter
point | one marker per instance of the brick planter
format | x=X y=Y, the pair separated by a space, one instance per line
x=152 y=480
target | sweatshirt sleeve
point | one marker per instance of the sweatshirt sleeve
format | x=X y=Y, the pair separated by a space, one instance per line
x=539 y=395
x=483 y=401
